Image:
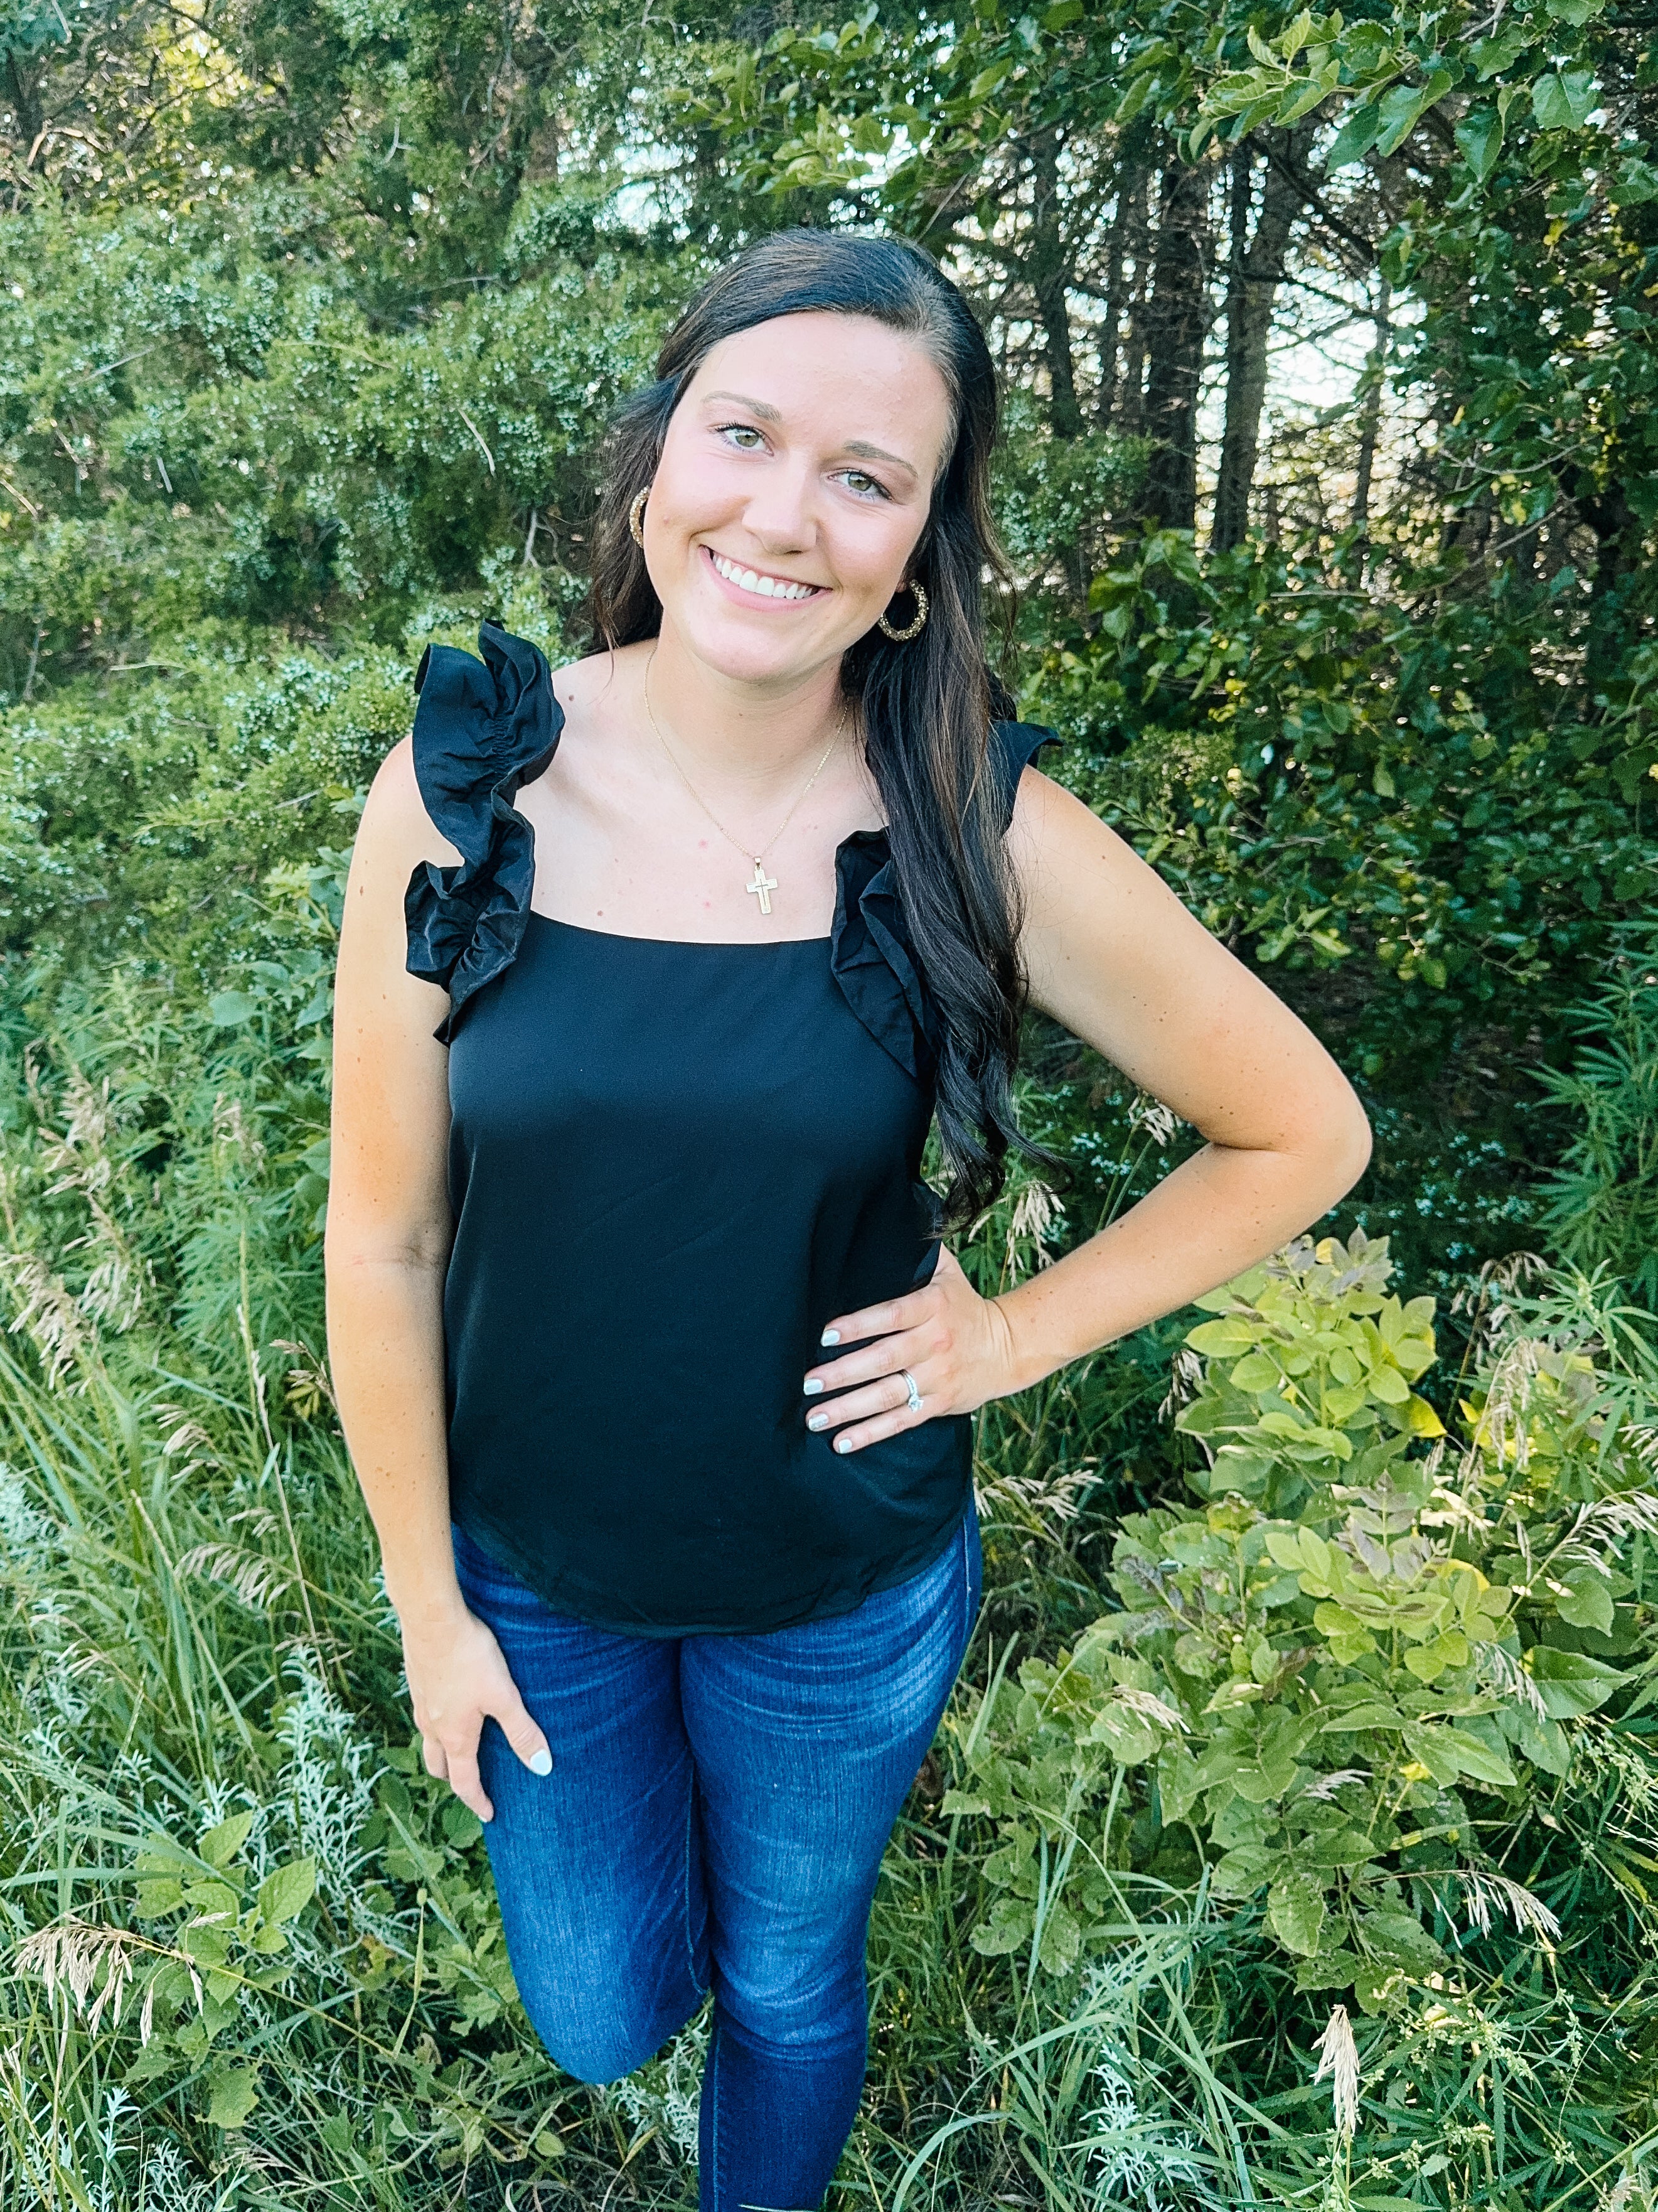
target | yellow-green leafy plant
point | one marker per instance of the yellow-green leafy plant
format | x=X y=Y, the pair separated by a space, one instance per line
x=1327 y=1682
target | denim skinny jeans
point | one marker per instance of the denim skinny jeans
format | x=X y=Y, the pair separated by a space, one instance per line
x=715 y=1818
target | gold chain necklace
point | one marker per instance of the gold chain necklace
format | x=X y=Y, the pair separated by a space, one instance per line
x=762 y=885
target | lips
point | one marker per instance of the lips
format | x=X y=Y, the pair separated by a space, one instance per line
x=758 y=584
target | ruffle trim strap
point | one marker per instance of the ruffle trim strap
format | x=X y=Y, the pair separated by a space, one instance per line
x=482 y=729
x=485 y=728
x=870 y=953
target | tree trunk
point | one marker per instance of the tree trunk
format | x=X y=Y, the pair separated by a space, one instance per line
x=1110 y=336
x=1255 y=271
x=1049 y=271
x=1176 y=321
x=1370 y=425
x=1131 y=394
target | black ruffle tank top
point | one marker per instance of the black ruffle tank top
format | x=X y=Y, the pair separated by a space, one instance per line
x=669 y=1164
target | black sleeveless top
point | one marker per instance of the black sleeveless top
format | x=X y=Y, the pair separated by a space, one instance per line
x=669 y=1164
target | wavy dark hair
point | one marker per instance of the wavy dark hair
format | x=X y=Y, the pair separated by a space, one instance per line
x=927 y=705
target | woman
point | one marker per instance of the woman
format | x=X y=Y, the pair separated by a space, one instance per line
x=653 y=976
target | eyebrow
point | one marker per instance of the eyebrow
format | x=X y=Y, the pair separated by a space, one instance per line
x=859 y=446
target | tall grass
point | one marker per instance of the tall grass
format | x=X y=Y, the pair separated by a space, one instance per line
x=252 y=1953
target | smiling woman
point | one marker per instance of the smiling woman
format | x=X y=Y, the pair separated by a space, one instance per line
x=681 y=1599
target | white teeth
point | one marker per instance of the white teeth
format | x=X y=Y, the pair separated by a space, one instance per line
x=764 y=587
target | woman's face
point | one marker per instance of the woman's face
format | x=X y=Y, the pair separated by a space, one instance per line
x=794 y=482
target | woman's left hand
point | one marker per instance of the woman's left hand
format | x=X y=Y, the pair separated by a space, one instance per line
x=958 y=1346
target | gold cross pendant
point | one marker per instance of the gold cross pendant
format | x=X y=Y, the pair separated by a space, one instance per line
x=762 y=887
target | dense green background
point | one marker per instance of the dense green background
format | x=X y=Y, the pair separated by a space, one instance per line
x=310 y=319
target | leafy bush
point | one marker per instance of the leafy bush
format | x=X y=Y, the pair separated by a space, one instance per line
x=1365 y=1662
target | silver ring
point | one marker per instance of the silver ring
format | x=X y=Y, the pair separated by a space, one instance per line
x=909 y=1382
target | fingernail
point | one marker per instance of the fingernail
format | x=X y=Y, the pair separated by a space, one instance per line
x=830 y=1336
x=817 y=1420
x=540 y=1762
x=811 y=1388
x=843 y=1444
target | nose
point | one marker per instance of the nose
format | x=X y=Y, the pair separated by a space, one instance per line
x=780 y=512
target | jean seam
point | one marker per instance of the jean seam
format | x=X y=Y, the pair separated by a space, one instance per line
x=967 y=1590
x=700 y=1987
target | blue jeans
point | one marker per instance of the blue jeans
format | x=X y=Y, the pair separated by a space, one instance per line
x=715 y=1817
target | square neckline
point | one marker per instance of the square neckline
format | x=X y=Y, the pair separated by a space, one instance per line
x=682 y=944
x=713 y=943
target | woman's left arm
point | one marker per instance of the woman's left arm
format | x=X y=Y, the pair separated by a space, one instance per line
x=1113 y=954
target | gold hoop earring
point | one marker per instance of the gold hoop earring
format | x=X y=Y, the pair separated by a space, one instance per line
x=636 y=517
x=902 y=636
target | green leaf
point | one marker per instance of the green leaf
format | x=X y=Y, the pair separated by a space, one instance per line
x=1575 y=12
x=1563 y=100
x=228 y=1010
x=1260 y=1781
x=1330 y=1970
x=1431 y=1747
x=221 y=1844
x=1218 y=1338
x=1061 y=1941
x=1479 y=138
x=1370 y=1715
x=1399 y=1940
x=1400 y=110
x=1355 y=138
x=1295 y=1911
x=161 y=1894
x=1429 y=1661
x=287 y=1891
x=1545 y=1743
x=1349 y=1638
x=1638 y=182
x=1478 y=1760
x=1241 y=1872
x=1570 y=1683
x=231 y=2096
x=1587 y=1600
x=1008 y=1928
x=961 y=1800
x=1178 y=1782
x=1421 y=1420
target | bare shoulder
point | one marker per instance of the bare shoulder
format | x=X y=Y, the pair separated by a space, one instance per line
x=598 y=686
x=396 y=833
x=1062 y=852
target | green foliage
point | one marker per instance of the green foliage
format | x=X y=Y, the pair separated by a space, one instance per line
x=1602 y=1204
x=1356 y=1671
x=310 y=320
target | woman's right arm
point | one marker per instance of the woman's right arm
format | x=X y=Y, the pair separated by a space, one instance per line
x=385 y=1249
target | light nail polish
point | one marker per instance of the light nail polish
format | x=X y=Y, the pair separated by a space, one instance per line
x=843 y=1444
x=811 y=1388
x=817 y=1420
x=540 y=1762
x=830 y=1336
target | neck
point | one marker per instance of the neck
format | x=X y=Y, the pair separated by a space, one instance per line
x=758 y=735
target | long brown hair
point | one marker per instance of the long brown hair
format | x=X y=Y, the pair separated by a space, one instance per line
x=927 y=704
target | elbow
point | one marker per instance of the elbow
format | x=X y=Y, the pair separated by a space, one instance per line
x=1346 y=1143
x=352 y=1257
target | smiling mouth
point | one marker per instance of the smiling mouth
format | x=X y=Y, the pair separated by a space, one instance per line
x=758 y=584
